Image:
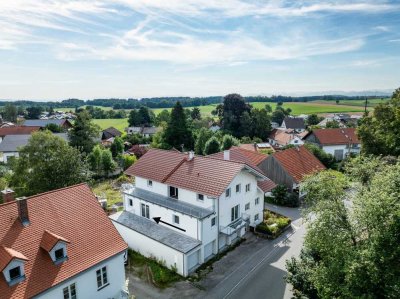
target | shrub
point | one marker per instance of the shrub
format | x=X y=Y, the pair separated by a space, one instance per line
x=282 y=222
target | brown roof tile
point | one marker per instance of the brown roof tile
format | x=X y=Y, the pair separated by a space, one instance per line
x=72 y=213
x=266 y=185
x=336 y=136
x=49 y=240
x=18 y=130
x=298 y=162
x=7 y=255
x=239 y=154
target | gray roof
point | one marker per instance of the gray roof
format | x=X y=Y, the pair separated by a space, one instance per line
x=294 y=123
x=155 y=231
x=43 y=122
x=170 y=203
x=11 y=143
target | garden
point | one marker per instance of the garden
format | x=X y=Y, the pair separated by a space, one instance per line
x=273 y=225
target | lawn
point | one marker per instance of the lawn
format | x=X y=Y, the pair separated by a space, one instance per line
x=118 y=123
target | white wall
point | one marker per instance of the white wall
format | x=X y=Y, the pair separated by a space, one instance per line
x=86 y=282
x=13 y=264
x=157 y=187
x=151 y=248
x=7 y=155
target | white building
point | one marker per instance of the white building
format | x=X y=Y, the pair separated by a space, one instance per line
x=184 y=209
x=59 y=244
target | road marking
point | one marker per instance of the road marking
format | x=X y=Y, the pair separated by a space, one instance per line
x=275 y=248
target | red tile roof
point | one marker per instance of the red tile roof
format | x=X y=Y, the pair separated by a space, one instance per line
x=205 y=175
x=298 y=162
x=18 y=130
x=336 y=136
x=7 y=255
x=72 y=213
x=49 y=240
x=239 y=154
x=283 y=136
x=266 y=185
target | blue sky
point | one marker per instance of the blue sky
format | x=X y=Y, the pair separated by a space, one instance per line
x=143 y=48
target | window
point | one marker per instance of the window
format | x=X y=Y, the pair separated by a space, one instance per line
x=102 y=280
x=257 y=201
x=59 y=253
x=237 y=188
x=228 y=192
x=145 y=210
x=130 y=202
x=247 y=206
x=15 y=273
x=173 y=192
x=235 y=213
x=255 y=217
x=247 y=187
x=150 y=183
x=200 y=197
x=176 y=219
x=213 y=221
x=70 y=292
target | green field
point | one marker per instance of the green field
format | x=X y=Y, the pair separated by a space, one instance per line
x=360 y=103
x=118 y=123
x=73 y=109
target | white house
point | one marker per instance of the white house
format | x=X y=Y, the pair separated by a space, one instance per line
x=339 y=142
x=59 y=244
x=184 y=209
x=294 y=123
x=282 y=137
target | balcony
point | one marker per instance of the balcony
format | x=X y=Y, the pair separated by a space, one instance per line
x=235 y=226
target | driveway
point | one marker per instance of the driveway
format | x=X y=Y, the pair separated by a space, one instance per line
x=255 y=269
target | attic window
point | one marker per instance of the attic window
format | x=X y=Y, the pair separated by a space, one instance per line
x=15 y=273
x=59 y=254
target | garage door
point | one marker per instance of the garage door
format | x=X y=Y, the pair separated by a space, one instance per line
x=193 y=259
x=208 y=249
x=338 y=154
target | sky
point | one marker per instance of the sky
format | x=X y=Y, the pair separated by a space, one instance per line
x=55 y=49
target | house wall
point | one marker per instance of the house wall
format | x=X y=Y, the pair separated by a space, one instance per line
x=86 y=282
x=7 y=155
x=13 y=264
x=241 y=198
x=277 y=173
x=151 y=248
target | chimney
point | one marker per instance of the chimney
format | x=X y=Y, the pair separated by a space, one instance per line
x=8 y=195
x=23 y=210
x=255 y=146
x=191 y=155
x=227 y=155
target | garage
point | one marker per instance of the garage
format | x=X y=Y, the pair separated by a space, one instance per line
x=193 y=259
x=208 y=249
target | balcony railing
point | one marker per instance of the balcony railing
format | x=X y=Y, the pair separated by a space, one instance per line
x=235 y=226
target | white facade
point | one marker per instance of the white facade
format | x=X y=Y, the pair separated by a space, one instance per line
x=86 y=282
x=227 y=220
x=6 y=155
x=341 y=151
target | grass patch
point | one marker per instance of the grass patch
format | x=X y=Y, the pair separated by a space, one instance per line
x=118 y=123
x=110 y=189
x=273 y=224
x=163 y=276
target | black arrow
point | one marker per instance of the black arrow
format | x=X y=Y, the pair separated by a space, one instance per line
x=158 y=219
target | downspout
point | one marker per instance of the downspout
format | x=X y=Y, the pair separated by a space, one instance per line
x=218 y=227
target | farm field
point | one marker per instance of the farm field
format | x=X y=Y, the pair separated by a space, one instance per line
x=371 y=102
x=118 y=123
x=73 y=109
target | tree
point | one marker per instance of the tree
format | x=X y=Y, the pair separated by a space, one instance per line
x=228 y=141
x=195 y=113
x=46 y=163
x=163 y=116
x=278 y=116
x=107 y=162
x=261 y=123
x=10 y=113
x=54 y=128
x=327 y=159
x=178 y=134
x=84 y=133
x=313 y=119
x=134 y=119
x=268 y=108
x=380 y=133
x=117 y=147
x=337 y=102
x=34 y=112
x=146 y=116
x=234 y=106
x=94 y=159
x=203 y=135
x=350 y=251
x=128 y=161
x=246 y=125
x=212 y=146
x=332 y=124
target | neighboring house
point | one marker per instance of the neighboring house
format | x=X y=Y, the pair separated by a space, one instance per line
x=59 y=244
x=6 y=124
x=294 y=123
x=290 y=166
x=184 y=209
x=214 y=128
x=11 y=144
x=337 y=142
x=251 y=158
x=144 y=131
x=64 y=123
x=282 y=137
x=274 y=125
x=111 y=132
x=17 y=130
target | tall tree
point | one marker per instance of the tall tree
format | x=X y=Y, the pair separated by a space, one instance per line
x=163 y=116
x=278 y=116
x=195 y=113
x=234 y=106
x=178 y=134
x=261 y=123
x=380 y=133
x=34 y=112
x=84 y=133
x=202 y=136
x=10 y=113
x=313 y=119
x=46 y=163
x=117 y=147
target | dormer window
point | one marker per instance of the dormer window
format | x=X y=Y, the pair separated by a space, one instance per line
x=15 y=273
x=12 y=264
x=56 y=246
